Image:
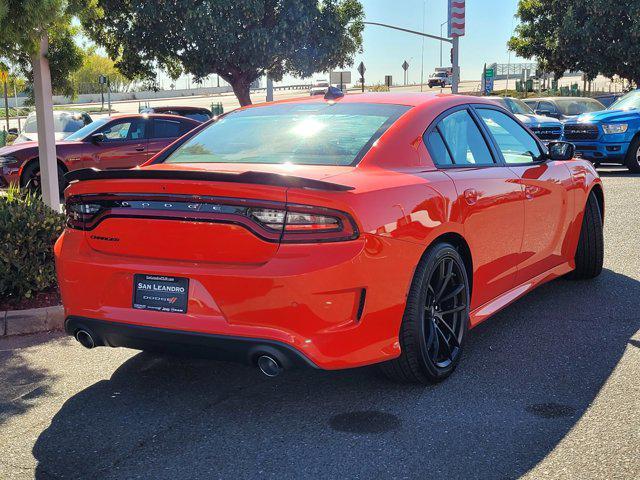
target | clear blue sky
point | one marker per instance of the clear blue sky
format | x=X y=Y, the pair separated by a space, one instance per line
x=489 y=24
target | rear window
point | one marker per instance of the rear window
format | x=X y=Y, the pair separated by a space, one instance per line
x=577 y=106
x=167 y=128
x=199 y=117
x=305 y=134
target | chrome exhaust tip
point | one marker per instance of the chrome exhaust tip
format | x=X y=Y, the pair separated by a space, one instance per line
x=269 y=366
x=85 y=339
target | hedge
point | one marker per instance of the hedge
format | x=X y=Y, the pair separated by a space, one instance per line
x=28 y=230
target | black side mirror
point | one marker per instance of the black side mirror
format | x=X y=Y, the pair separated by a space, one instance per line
x=544 y=113
x=561 y=150
x=12 y=131
x=97 y=137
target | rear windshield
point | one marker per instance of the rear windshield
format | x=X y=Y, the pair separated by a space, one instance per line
x=305 y=134
x=62 y=122
x=578 y=106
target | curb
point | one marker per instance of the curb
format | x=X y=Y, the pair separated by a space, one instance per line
x=34 y=320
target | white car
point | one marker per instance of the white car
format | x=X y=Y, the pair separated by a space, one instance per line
x=319 y=88
x=64 y=124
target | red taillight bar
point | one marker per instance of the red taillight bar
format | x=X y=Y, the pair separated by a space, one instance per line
x=271 y=221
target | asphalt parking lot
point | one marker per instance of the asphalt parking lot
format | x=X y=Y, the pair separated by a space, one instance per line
x=549 y=388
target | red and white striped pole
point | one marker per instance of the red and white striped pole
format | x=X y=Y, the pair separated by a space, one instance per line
x=455 y=31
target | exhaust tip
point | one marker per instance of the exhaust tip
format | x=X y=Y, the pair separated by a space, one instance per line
x=85 y=339
x=269 y=366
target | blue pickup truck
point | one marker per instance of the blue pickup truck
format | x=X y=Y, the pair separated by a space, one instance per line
x=611 y=135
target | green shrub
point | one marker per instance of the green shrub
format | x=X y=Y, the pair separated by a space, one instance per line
x=378 y=88
x=28 y=230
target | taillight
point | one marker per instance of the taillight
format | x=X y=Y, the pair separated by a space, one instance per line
x=272 y=221
x=307 y=224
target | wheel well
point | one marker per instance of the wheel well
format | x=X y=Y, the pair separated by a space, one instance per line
x=599 y=195
x=35 y=159
x=461 y=245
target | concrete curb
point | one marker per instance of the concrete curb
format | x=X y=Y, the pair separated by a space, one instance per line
x=23 y=322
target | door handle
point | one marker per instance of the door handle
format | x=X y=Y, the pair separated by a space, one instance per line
x=140 y=149
x=471 y=195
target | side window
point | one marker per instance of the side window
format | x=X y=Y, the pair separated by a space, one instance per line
x=548 y=106
x=186 y=127
x=166 y=128
x=515 y=143
x=124 y=130
x=466 y=144
x=437 y=148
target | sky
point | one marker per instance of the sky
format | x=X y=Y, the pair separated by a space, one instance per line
x=489 y=24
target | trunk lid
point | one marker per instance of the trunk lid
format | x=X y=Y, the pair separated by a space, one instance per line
x=188 y=219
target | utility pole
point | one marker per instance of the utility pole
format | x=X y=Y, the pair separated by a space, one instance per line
x=15 y=96
x=109 y=95
x=269 y=89
x=454 y=64
x=5 y=74
x=46 y=136
x=424 y=9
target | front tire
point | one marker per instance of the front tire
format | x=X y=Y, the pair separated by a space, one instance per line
x=435 y=321
x=632 y=160
x=590 y=252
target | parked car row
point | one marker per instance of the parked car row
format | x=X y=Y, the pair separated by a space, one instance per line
x=64 y=124
x=116 y=142
x=600 y=134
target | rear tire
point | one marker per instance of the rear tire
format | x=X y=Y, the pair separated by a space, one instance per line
x=590 y=252
x=632 y=160
x=435 y=320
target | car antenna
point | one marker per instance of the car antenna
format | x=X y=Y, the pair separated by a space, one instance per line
x=333 y=93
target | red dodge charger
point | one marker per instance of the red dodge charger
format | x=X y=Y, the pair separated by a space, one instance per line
x=328 y=233
x=123 y=141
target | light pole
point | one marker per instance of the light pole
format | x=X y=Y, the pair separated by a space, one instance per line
x=424 y=10
x=441 y=25
x=452 y=41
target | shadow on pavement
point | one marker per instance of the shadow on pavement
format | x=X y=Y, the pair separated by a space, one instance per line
x=21 y=383
x=527 y=377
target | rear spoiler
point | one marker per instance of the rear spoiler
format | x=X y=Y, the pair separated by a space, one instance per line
x=261 y=178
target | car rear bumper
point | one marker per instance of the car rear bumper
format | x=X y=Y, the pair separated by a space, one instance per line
x=600 y=151
x=339 y=304
x=219 y=347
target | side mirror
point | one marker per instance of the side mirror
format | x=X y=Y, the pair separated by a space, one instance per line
x=12 y=131
x=561 y=151
x=544 y=113
x=97 y=137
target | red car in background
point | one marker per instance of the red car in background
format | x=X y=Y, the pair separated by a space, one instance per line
x=112 y=142
x=330 y=233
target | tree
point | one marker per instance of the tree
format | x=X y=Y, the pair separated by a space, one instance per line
x=594 y=36
x=240 y=41
x=25 y=29
x=64 y=55
x=85 y=79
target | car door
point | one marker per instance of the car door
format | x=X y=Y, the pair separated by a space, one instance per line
x=124 y=144
x=164 y=131
x=490 y=202
x=546 y=185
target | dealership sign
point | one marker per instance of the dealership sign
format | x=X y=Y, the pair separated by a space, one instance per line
x=456 y=18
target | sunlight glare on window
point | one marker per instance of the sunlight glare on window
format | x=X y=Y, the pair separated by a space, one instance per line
x=307 y=128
